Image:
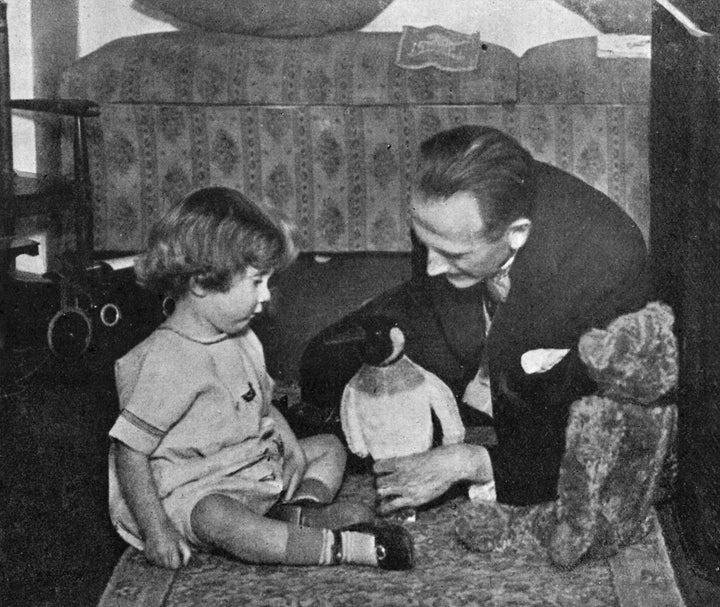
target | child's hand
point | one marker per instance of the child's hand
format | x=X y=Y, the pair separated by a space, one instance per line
x=167 y=548
x=295 y=463
x=294 y=468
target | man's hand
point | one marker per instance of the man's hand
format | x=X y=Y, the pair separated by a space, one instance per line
x=417 y=479
x=166 y=547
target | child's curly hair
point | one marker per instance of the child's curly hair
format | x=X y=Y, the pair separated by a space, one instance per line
x=211 y=235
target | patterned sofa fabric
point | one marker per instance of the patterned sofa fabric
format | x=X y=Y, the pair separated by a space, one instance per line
x=328 y=128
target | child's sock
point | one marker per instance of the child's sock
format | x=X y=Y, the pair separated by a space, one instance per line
x=357 y=548
x=309 y=546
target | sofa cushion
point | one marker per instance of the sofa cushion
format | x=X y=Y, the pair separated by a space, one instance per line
x=345 y=69
x=273 y=18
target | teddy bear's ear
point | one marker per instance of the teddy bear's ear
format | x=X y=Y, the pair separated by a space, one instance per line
x=636 y=358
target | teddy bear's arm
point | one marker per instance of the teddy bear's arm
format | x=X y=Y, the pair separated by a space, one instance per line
x=443 y=402
x=350 y=422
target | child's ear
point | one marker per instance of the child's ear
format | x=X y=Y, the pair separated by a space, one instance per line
x=196 y=288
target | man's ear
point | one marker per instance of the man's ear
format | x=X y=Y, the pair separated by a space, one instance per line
x=518 y=232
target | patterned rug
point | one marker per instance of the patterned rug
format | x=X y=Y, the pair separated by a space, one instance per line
x=446 y=574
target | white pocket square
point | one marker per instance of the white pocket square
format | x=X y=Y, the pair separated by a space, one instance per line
x=542 y=359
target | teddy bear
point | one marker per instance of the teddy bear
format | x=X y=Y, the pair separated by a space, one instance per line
x=619 y=442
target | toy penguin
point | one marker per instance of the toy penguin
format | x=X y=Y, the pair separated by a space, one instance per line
x=386 y=407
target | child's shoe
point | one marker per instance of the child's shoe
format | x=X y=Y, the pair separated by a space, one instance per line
x=308 y=513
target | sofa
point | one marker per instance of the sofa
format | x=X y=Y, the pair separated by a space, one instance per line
x=327 y=128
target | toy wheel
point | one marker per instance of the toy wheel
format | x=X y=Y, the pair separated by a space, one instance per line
x=110 y=315
x=69 y=333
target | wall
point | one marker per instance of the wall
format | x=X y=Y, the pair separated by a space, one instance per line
x=21 y=81
x=45 y=35
x=42 y=45
x=515 y=24
x=101 y=21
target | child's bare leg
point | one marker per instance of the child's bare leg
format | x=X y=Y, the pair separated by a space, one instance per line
x=311 y=505
x=326 y=457
x=225 y=523
x=222 y=522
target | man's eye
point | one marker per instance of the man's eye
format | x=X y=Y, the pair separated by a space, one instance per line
x=450 y=256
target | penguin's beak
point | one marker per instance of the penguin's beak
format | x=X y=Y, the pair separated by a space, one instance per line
x=353 y=334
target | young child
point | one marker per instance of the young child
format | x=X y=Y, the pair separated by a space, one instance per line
x=200 y=459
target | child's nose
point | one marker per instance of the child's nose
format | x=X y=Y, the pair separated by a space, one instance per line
x=263 y=293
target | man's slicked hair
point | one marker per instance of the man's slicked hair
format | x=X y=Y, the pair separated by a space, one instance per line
x=485 y=162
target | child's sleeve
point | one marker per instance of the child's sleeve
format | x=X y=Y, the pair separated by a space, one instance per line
x=154 y=394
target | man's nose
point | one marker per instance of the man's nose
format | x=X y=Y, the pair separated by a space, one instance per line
x=436 y=264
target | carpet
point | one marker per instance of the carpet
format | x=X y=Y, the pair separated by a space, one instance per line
x=446 y=574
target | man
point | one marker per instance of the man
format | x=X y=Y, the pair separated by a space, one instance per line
x=521 y=259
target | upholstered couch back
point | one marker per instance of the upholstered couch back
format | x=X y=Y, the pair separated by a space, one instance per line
x=327 y=128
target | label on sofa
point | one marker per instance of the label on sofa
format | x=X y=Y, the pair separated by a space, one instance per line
x=438 y=47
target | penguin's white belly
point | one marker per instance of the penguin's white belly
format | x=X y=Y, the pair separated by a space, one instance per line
x=396 y=424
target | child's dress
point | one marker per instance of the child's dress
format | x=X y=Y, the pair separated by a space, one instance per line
x=200 y=411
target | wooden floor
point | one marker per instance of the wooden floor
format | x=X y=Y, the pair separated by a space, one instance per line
x=56 y=545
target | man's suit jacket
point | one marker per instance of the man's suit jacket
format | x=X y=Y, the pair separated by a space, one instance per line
x=585 y=262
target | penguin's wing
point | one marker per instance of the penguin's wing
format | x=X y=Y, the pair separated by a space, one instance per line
x=442 y=401
x=350 y=421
